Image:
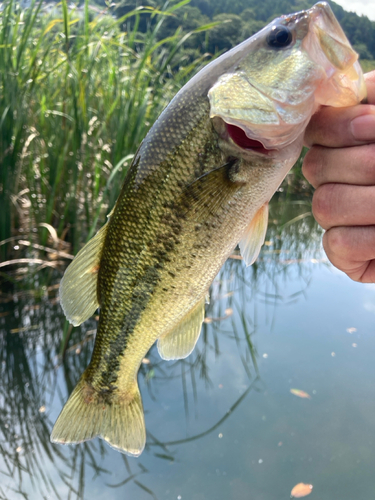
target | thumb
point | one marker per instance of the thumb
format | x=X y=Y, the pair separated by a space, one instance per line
x=370 y=84
x=344 y=127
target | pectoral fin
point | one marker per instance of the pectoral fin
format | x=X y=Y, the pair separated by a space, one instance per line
x=254 y=236
x=207 y=194
x=180 y=342
x=78 y=288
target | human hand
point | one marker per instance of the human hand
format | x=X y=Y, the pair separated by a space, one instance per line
x=341 y=166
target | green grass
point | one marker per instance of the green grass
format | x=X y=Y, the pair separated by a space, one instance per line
x=79 y=89
x=78 y=92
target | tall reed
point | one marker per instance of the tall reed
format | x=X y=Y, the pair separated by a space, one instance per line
x=79 y=90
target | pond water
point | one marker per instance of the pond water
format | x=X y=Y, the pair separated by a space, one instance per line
x=222 y=424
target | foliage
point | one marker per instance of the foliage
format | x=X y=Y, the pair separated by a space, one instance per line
x=77 y=96
x=246 y=17
x=230 y=31
x=189 y=19
x=80 y=87
x=367 y=65
x=362 y=50
x=239 y=19
x=359 y=29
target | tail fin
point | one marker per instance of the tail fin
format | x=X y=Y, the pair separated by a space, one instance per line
x=87 y=414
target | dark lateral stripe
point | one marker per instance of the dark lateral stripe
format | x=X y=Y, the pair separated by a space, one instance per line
x=120 y=338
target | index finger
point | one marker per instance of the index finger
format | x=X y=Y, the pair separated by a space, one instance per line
x=343 y=127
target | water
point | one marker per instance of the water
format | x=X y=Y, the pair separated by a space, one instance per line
x=221 y=424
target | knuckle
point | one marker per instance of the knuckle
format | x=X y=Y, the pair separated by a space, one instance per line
x=324 y=127
x=322 y=205
x=338 y=242
x=367 y=163
x=308 y=166
x=313 y=165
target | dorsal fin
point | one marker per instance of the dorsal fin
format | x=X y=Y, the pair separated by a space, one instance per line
x=254 y=236
x=78 y=288
x=180 y=342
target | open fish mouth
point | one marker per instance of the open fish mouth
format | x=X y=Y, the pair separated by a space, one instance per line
x=296 y=64
x=328 y=46
x=239 y=137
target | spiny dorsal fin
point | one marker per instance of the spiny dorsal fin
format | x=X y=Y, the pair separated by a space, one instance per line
x=119 y=421
x=78 y=294
x=180 y=342
x=254 y=236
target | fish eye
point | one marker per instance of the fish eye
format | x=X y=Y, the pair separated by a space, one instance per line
x=280 y=36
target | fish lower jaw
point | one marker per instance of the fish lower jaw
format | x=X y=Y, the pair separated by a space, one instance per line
x=239 y=137
x=235 y=141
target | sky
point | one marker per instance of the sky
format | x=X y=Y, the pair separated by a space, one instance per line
x=366 y=7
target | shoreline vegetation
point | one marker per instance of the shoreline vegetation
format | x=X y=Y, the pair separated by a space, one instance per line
x=78 y=94
x=79 y=88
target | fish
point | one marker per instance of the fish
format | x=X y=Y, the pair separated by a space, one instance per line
x=198 y=186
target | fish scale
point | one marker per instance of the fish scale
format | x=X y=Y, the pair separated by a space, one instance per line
x=153 y=224
x=198 y=185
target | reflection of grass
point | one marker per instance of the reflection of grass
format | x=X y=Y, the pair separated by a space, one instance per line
x=211 y=429
x=22 y=396
x=27 y=391
x=29 y=383
x=28 y=358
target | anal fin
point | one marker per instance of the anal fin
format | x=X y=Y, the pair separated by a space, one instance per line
x=254 y=236
x=180 y=342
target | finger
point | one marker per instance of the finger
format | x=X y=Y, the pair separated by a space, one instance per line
x=343 y=127
x=352 y=250
x=344 y=205
x=370 y=84
x=355 y=165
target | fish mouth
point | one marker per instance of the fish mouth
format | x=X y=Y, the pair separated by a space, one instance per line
x=267 y=98
x=239 y=137
x=328 y=46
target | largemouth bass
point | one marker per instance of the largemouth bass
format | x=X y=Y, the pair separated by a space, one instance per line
x=199 y=185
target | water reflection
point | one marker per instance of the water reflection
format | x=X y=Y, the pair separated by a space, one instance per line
x=36 y=380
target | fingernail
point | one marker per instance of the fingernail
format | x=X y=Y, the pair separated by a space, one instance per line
x=363 y=127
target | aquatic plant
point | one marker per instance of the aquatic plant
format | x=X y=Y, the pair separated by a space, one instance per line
x=79 y=90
